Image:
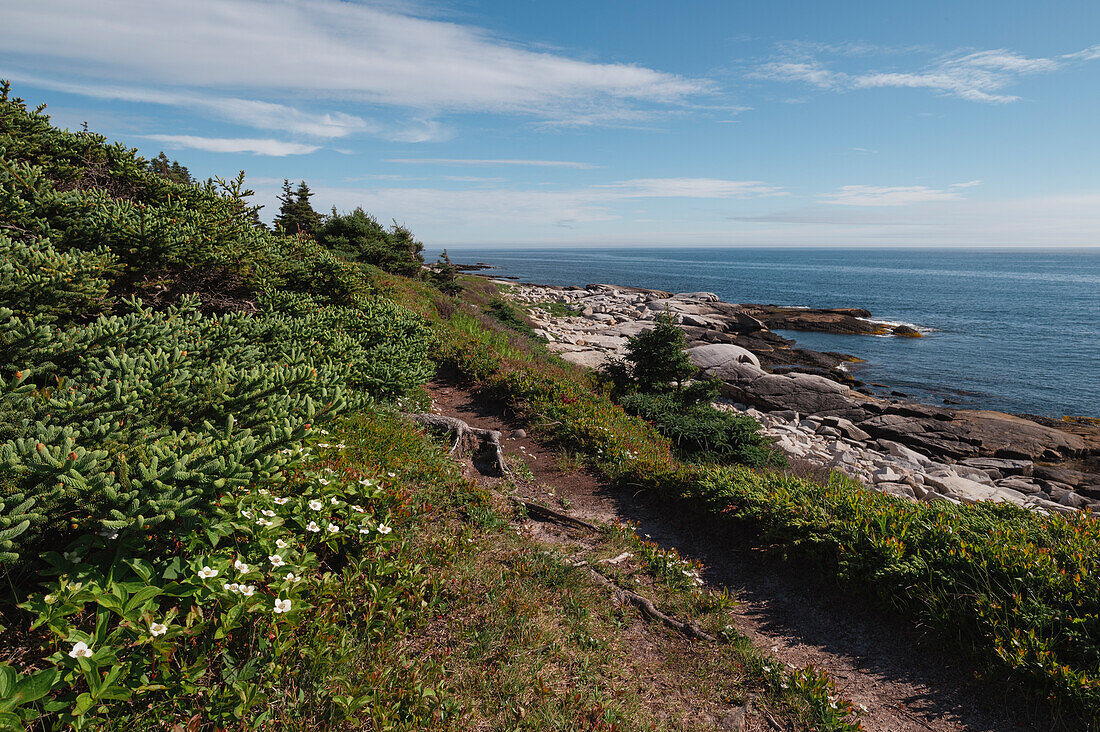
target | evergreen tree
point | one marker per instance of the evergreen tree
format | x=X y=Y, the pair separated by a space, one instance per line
x=359 y=236
x=444 y=275
x=296 y=214
x=170 y=169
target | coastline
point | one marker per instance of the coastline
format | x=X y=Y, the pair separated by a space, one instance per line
x=818 y=412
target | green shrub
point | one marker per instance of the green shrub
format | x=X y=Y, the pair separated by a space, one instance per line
x=702 y=432
x=508 y=314
x=359 y=236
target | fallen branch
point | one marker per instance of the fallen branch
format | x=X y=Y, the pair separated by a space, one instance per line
x=467 y=437
x=648 y=608
x=551 y=514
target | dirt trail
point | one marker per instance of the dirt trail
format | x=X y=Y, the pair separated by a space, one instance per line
x=878 y=661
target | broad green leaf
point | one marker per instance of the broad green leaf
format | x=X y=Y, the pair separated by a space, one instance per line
x=37 y=685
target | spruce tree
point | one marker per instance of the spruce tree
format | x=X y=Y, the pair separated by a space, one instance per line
x=296 y=214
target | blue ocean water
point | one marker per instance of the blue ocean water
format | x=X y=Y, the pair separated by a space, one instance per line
x=1017 y=331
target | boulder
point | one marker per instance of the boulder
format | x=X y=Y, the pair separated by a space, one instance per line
x=715 y=357
x=897 y=489
x=806 y=393
x=1004 y=466
x=1020 y=485
x=590 y=359
x=847 y=428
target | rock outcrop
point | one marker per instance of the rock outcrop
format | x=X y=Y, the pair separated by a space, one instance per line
x=961 y=455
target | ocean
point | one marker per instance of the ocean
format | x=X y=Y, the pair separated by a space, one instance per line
x=1016 y=331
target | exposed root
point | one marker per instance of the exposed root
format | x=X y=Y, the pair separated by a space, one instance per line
x=552 y=515
x=649 y=609
x=467 y=438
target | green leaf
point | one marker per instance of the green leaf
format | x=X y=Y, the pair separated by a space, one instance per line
x=8 y=678
x=140 y=597
x=111 y=603
x=142 y=567
x=174 y=569
x=37 y=685
x=84 y=702
x=10 y=721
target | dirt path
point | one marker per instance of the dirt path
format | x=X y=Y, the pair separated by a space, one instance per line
x=876 y=660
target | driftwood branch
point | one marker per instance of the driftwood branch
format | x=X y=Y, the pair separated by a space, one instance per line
x=549 y=513
x=649 y=609
x=467 y=438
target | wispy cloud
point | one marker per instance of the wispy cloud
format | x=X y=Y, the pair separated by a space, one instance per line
x=980 y=76
x=860 y=195
x=491 y=162
x=691 y=188
x=274 y=148
x=323 y=49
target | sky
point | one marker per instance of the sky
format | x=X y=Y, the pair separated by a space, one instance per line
x=605 y=122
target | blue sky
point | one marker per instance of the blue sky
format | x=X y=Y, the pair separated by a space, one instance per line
x=605 y=122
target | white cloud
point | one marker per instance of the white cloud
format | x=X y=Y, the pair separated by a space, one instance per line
x=487 y=208
x=275 y=148
x=490 y=162
x=323 y=49
x=690 y=188
x=859 y=195
x=253 y=113
x=980 y=76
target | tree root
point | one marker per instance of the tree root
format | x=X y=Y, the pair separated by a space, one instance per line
x=649 y=609
x=552 y=515
x=467 y=438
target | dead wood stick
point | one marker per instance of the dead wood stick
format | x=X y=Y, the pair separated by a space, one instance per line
x=464 y=435
x=549 y=513
x=648 y=608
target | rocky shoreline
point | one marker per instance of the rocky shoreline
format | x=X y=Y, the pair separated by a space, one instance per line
x=818 y=413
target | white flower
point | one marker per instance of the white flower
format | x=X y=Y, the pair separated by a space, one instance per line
x=358 y=509
x=231 y=587
x=268 y=512
x=248 y=590
x=291 y=577
x=107 y=533
x=264 y=492
x=322 y=481
x=334 y=501
x=263 y=522
x=383 y=529
x=207 y=573
x=366 y=481
x=158 y=629
x=322 y=444
x=276 y=560
x=312 y=526
x=246 y=514
x=315 y=505
x=392 y=475
x=323 y=432
x=281 y=501
x=282 y=606
x=364 y=529
x=341 y=445
x=240 y=566
x=282 y=544
x=80 y=650
x=333 y=529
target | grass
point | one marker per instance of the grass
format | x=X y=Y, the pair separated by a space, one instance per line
x=1015 y=592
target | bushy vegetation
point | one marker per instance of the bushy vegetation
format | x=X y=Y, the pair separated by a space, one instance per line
x=359 y=237
x=649 y=382
x=159 y=460
x=204 y=506
x=1015 y=591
